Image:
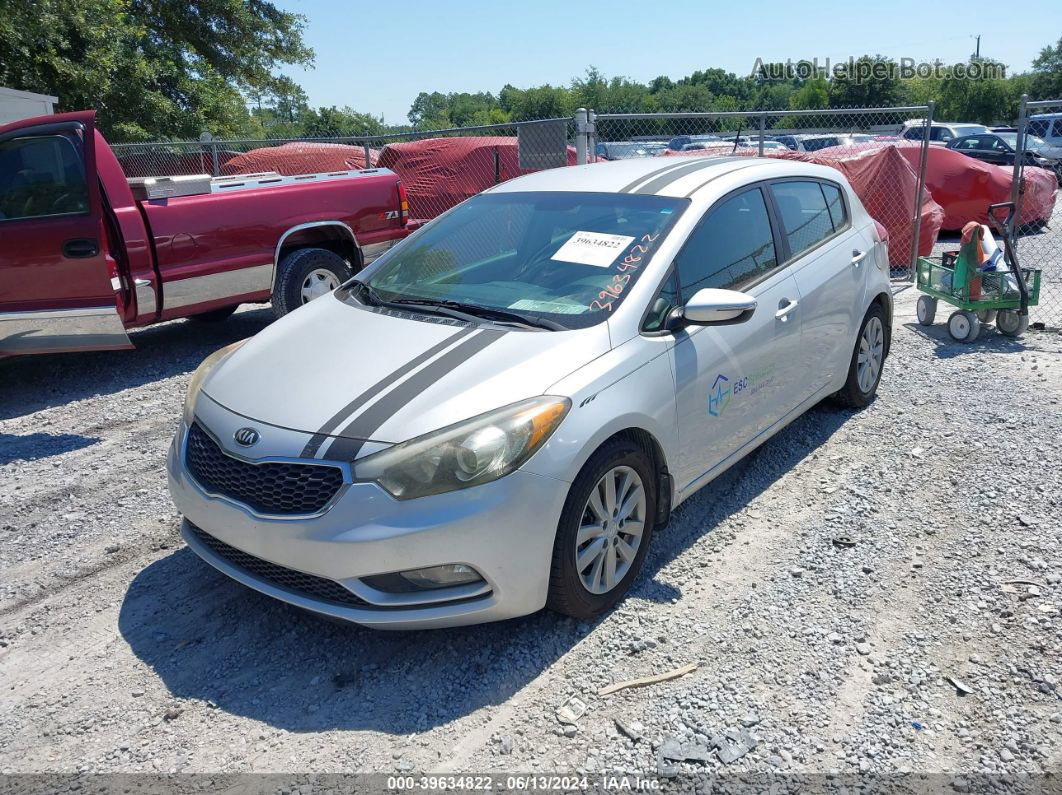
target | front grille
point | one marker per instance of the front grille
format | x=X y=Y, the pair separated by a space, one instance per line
x=319 y=589
x=267 y=488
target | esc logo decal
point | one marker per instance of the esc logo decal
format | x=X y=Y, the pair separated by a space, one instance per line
x=720 y=395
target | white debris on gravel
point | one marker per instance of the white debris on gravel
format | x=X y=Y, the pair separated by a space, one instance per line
x=835 y=590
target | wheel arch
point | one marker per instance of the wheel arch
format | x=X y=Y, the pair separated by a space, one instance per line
x=665 y=489
x=334 y=236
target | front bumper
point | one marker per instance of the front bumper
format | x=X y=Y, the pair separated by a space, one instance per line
x=504 y=529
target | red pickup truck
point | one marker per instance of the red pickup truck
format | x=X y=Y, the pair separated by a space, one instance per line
x=86 y=253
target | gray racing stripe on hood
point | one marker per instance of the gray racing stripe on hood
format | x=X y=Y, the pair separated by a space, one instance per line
x=319 y=438
x=354 y=435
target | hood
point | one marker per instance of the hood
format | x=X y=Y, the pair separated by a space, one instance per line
x=340 y=370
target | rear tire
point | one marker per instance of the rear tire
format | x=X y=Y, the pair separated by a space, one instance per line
x=216 y=315
x=986 y=316
x=868 y=360
x=583 y=533
x=306 y=274
x=1011 y=323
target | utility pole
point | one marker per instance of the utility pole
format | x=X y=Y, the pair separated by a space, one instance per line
x=977 y=52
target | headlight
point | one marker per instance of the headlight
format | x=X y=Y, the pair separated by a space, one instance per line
x=475 y=451
x=200 y=374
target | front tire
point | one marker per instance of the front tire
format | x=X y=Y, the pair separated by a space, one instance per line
x=604 y=531
x=306 y=274
x=964 y=326
x=868 y=358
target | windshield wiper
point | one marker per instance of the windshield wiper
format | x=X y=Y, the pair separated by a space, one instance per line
x=370 y=292
x=464 y=311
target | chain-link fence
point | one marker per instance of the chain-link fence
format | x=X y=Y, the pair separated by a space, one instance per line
x=882 y=152
x=439 y=168
x=1036 y=149
x=894 y=158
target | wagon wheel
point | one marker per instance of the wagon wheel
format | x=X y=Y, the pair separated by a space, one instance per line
x=1012 y=323
x=927 y=310
x=964 y=326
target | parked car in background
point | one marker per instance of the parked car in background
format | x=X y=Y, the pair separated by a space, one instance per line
x=1046 y=126
x=679 y=141
x=1001 y=149
x=621 y=150
x=939 y=132
x=87 y=254
x=811 y=142
x=569 y=356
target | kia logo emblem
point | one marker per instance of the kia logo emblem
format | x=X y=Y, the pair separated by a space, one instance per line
x=246 y=437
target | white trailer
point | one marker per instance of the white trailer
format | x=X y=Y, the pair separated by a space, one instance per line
x=15 y=105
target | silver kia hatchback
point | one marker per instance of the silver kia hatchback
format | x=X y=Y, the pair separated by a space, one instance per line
x=497 y=414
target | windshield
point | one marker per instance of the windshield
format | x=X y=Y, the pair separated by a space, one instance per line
x=569 y=258
x=1031 y=141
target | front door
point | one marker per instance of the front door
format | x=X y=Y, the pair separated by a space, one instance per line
x=734 y=382
x=56 y=290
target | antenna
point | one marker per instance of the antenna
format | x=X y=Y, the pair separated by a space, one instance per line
x=977 y=52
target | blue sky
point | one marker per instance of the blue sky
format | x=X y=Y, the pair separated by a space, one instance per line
x=377 y=57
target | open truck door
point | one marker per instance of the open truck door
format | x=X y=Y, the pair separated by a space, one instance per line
x=59 y=287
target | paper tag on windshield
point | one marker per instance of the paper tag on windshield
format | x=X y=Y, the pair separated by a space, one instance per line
x=593 y=248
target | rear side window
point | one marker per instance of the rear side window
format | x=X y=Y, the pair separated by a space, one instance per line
x=41 y=176
x=1038 y=127
x=835 y=204
x=731 y=247
x=805 y=217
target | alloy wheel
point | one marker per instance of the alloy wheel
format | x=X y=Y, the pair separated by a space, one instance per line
x=871 y=351
x=610 y=532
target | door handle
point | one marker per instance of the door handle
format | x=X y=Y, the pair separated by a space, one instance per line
x=858 y=257
x=81 y=248
x=785 y=306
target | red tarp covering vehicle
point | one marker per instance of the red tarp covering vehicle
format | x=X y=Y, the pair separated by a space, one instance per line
x=300 y=157
x=885 y=183
x=439 y=173
x=965 y=187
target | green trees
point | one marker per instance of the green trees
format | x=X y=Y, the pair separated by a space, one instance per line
x=151 y=68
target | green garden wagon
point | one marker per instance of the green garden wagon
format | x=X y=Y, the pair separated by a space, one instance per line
x=1003 y=296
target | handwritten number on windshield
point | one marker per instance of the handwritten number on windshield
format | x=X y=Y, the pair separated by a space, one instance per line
x=619 y=281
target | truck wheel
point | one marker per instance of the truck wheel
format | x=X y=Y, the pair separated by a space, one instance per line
x=306 y=274
x=216 y=315
x=604 y=531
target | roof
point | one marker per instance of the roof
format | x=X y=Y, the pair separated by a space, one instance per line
x=679 y=177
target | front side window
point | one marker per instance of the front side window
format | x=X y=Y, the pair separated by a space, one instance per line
x=569 y=258
x=732 y=246
x=41 y=176
x=805 y=217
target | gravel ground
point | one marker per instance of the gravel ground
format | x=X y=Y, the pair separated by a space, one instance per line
x=122 y=652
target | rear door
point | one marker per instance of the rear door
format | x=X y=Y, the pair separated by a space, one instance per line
x=56 y=291
x=829 y=260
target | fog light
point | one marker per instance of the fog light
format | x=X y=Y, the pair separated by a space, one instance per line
x=446 y=576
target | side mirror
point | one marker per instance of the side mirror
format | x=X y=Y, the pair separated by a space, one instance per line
x=714 y=307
